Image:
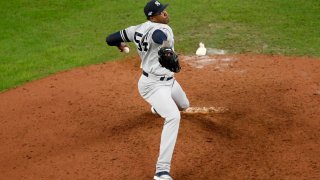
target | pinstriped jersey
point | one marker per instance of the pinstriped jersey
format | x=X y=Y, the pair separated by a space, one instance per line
x=141 y=36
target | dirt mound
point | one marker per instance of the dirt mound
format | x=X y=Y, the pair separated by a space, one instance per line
x=91 y=123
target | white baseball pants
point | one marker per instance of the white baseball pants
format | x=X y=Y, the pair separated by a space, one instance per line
x=166 y=97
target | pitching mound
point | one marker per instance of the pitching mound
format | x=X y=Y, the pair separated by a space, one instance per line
x=91 y=123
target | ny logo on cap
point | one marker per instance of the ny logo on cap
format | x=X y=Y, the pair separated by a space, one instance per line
x=157 y=3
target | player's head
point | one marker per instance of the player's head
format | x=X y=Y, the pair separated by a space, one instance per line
x=155 y=12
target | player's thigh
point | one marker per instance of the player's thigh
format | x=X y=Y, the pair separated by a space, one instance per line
x=179 y=96
x=162 y=101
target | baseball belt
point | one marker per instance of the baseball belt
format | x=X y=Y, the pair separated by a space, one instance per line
x=162 y=78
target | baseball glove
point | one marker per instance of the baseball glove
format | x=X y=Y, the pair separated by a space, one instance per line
x=169 y=59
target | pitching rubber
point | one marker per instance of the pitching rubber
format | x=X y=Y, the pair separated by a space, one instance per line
x=205 y=110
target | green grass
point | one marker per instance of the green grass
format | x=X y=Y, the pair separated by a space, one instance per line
x=288 y=27
x=38 y=38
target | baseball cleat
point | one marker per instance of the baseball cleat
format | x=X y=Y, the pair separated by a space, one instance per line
x=154 y=111
x=164 y=175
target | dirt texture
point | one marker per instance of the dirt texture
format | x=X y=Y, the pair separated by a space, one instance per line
x=91 y=123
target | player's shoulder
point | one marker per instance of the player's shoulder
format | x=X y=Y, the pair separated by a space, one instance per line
x=163 y=26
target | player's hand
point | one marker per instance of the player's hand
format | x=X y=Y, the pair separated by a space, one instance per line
x=122 y=46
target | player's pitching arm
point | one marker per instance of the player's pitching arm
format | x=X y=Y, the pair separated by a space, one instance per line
x=116 y=39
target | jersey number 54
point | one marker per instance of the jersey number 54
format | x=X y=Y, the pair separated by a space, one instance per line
x=141 y=42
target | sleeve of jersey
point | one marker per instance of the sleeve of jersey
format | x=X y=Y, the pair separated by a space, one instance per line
x=114 y=39
x=159 y=36
x=128 y=34
x=124 y=35
x=169 y=35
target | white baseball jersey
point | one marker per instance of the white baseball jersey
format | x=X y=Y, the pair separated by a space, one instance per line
x=141 y=35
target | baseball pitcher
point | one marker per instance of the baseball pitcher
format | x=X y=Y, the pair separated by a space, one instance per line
x=155 y=45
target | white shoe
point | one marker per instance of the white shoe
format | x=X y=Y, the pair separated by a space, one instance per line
x=154 y=111
x=162 y=176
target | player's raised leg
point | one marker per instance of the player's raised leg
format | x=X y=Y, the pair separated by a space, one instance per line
x=179 y=96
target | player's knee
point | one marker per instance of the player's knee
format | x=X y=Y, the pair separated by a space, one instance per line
x=185 y=105
x=175 y=116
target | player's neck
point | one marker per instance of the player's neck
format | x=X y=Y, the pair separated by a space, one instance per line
x=157 y=22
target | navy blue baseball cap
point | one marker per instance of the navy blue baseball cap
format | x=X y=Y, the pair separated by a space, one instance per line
x=154 y=7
